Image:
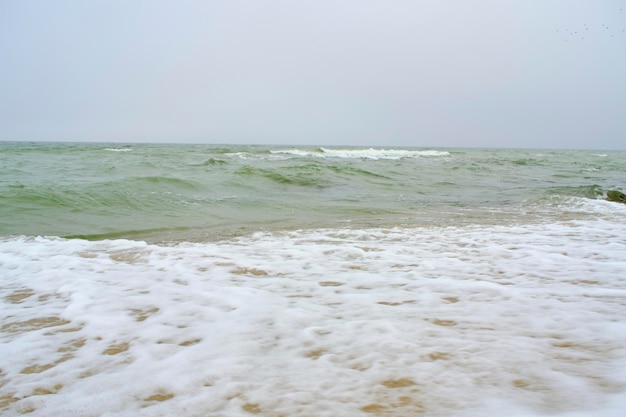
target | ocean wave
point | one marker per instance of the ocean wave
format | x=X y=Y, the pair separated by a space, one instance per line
x=80 y=189
x=592 y=191
x=304 y=176
x=371 y=153
x=210 y=162
x=118 y=149
x=165 y=182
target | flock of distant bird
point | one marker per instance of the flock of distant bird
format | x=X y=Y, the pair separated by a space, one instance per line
x=581 y=33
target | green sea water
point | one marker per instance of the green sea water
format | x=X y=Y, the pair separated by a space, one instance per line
x=187 y=280
x=162 y=192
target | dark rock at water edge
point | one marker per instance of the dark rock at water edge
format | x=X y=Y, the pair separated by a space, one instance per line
x=617 y=196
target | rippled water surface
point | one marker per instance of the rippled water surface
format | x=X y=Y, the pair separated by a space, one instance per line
x=190 y=280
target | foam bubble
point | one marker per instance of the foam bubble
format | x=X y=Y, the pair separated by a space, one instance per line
x=403 y=321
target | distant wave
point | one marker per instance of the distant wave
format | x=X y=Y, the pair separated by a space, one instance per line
x=370 y=153
x=118 y=149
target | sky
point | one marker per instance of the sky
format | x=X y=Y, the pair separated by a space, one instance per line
x=419 y=73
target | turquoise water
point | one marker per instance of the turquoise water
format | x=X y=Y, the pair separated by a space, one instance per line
x=207 y=192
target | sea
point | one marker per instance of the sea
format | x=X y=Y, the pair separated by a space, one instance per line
x=293 y=281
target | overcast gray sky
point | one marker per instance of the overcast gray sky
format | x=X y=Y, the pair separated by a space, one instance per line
x=432 y=73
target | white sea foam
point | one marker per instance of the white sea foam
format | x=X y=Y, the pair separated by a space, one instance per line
x=294 y=152
x=380 y=153
x=371 y=153
x=118 y=149
x=474 y=321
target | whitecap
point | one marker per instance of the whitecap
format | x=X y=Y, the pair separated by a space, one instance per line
x=118 y=149
x=371 y=153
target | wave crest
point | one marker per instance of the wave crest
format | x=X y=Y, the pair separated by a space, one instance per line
x=371 y=153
